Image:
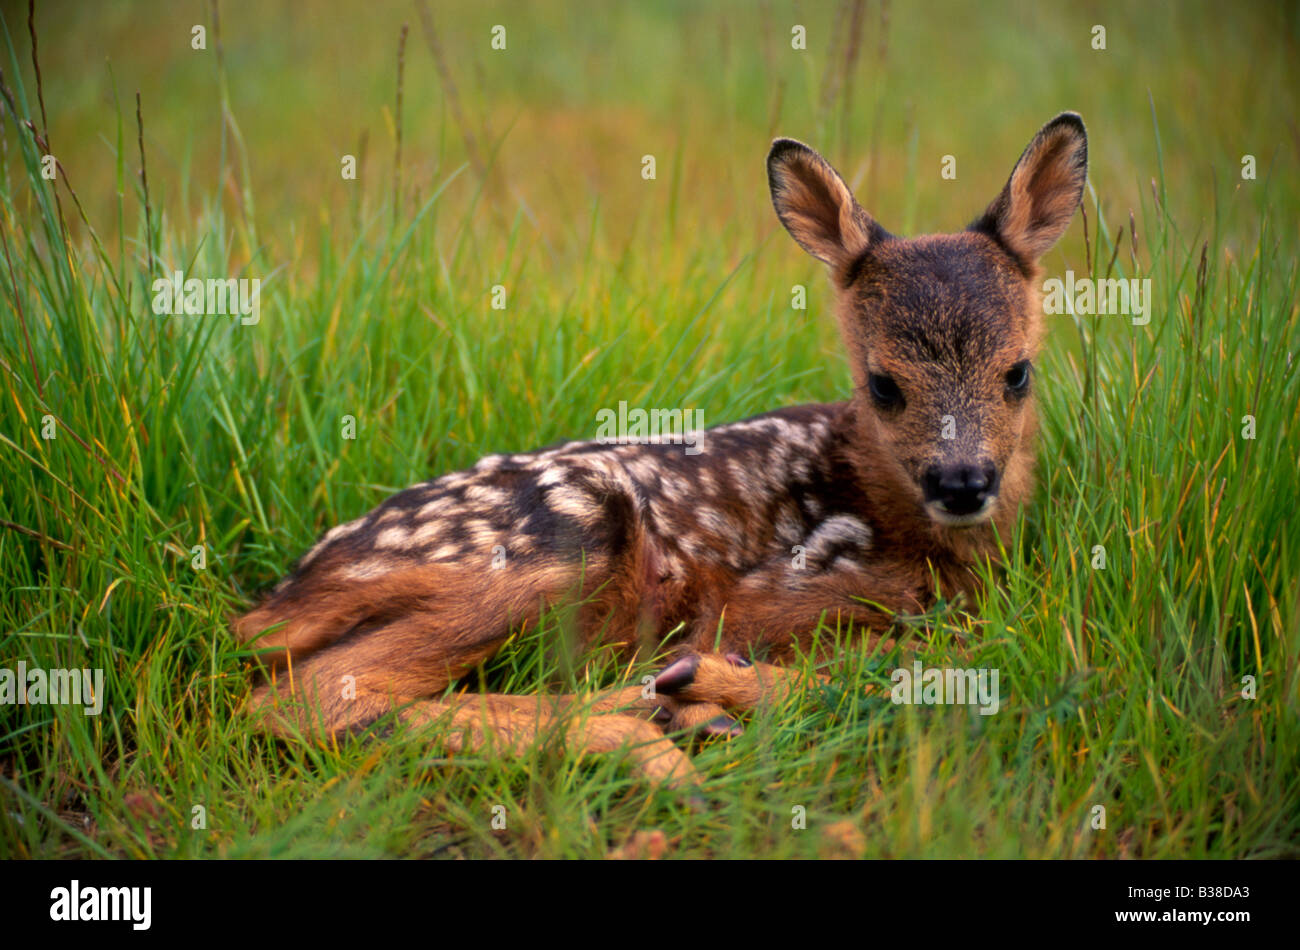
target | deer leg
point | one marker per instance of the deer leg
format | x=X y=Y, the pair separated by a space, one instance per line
x=726 y=682
x=771 y=611
x=349 y=686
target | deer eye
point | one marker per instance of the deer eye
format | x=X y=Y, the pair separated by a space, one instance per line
x=884 y=390
x=1018 y=377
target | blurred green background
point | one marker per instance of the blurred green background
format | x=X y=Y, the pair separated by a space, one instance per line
x=584 y=90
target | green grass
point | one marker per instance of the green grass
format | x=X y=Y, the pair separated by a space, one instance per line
x=1121 y=687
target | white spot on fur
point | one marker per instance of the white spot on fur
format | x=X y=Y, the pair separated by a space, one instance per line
x=343 y=530
x=789 y=527
x=836 y=531
x=716 y=523
x=365 y=570
x=429 y=531
x=397 y=537
x=691 y=545
x=455 y=480
x=439 y=506
x=643 y=468
x=333 y=534
x=708 y=484
x=741 y=475
x=481 y=533
x=845 y=563
x=572 y=502
x=487 y=495
x=552 y=475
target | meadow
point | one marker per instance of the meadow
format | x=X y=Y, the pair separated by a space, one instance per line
x=158 y=473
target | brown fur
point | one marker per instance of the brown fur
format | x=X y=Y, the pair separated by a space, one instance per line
x=904 y=487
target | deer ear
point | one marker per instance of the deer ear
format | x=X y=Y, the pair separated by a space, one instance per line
x=816 y=206
x=1045 y=188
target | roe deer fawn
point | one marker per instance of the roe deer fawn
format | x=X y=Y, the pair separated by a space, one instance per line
x=891 y=494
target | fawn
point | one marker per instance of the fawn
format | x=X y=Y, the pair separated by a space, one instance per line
x=892 y=495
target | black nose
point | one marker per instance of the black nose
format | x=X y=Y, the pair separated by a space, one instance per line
x=961 y=489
